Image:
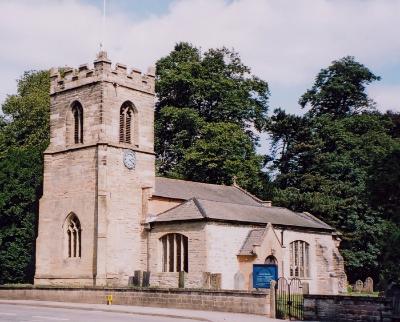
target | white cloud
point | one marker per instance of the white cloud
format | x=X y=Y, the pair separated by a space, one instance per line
x=285 y=42
x=387 y=97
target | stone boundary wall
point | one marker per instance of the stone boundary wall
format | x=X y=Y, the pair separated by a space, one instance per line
x=341 y=308
x=209 y=300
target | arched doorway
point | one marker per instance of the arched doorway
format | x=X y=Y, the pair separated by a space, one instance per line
x=271 y=259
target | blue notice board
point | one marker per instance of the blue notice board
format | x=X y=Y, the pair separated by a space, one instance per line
x=263 y=274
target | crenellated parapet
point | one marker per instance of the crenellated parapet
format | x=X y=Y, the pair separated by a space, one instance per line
x=102 y=70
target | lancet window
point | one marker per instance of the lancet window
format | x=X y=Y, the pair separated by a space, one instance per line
x=127 y=123
x=74 y=236
x=77 y=112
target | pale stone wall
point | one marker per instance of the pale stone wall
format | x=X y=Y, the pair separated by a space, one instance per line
x=322 y=278
x=197 y=251
x=325 y=261
x=223 y=244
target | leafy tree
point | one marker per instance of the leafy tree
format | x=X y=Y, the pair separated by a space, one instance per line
x=26 y=115
x=287 y=132
x=339 y=90
x=20 y=188
x=24 y=134
x=197 y=93
x=222 y=154
x=332 y=159
x=216 y=84
x=384 y=186
x=395 y=119
x=177 y=129
x=389 y=268
x=329 y=178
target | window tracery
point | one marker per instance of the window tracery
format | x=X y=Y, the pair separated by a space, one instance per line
x=299 y=259
x=74 y=236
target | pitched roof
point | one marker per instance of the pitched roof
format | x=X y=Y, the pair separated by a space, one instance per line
x=185 y=190
x=254 y=237
x=200 y=209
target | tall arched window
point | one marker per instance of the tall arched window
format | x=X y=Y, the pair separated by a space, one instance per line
x=77 y=112
x=174 y=253
x=127 y=123
x=299 y=259
x=73 y=236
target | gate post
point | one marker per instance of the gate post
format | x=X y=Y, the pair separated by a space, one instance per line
x=272 y=299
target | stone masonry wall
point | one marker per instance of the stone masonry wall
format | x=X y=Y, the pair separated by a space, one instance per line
x=66 y=189
x=337 y=308
x=196 y=249
x=225 y=301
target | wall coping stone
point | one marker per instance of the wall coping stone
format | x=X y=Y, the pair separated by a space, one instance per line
x=346 y=297
x=138 y=289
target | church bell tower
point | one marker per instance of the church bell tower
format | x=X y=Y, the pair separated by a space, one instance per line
x=98 y=172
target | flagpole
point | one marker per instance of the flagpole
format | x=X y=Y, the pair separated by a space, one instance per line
x=103 y=27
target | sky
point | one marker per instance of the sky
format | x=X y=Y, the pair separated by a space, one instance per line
x=285 y=42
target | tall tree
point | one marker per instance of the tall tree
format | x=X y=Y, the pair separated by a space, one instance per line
x=222 y=154
x=339 y=90
x=289 y=136
x=197 y=92
x=177 y=129
x=24 y=134
x=20 y=188
x=25 y=122
x=330 y=157
x=216 y=84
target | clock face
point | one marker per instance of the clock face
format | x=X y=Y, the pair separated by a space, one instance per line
x=130 y=159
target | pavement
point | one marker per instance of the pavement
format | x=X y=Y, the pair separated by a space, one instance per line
x=35 y=311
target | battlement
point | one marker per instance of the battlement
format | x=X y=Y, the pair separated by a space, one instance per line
x=63 y=79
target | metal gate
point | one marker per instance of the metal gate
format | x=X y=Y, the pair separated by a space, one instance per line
x=289 y=299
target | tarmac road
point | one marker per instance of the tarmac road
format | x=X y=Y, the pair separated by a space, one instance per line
x=24 y=313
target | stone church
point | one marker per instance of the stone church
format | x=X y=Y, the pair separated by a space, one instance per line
x=104 y=214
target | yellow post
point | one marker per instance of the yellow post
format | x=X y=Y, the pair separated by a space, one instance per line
x=109 y=299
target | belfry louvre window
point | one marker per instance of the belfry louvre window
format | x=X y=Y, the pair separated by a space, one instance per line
x=174 y=253
x=73 y=230
x=77 y=112
x=299 y=259
x=127 y=123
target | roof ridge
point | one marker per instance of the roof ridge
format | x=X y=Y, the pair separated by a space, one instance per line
x=196 y=182
x=245 y=240
x=232 y=203
x=312 y=217
x=247 y=193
